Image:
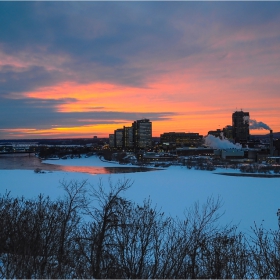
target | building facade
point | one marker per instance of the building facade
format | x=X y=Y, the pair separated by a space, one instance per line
x=111 y=140
x=221 y=133
x=128 y=137
x=137 y=136
x=216 y=133
x=227 y=131
x=142 y=134
x=181 y=139
x=240 y=126
x=119 y=138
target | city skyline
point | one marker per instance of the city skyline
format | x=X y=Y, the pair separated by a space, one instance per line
x=78 y=69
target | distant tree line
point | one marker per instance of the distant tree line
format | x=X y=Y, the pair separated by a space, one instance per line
x=93 y=233
x=200 y=163
x=50 y=151
x=260 y=168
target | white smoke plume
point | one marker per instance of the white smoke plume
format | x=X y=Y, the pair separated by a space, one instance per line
x=220 y=143
x=253 y=124
x=246 y=119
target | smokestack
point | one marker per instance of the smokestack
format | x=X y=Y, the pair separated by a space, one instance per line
x=271 y=143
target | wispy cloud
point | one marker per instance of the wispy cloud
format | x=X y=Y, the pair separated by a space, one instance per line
x=70 y=63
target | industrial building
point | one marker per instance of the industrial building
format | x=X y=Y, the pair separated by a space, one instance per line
x=232 y=154
x=158 y=158
x=200 y=151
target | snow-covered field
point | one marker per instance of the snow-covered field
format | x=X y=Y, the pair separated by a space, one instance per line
x=245 y=199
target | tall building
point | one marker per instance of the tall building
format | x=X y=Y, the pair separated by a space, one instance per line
x=118 y=138
x=111 y=140
x=240 y=126
x=128 y=137
x=142 y=134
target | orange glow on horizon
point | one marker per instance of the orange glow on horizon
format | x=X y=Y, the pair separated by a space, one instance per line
x=196 y=106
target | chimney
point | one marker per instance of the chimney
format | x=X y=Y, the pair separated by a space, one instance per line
x=271 y=143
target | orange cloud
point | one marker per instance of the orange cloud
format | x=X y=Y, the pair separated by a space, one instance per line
x=200 y=106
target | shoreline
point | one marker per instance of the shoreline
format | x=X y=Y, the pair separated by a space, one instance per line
x=257 y=175
x=97 y=165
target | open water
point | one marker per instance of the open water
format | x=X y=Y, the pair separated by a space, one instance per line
x=31 y=162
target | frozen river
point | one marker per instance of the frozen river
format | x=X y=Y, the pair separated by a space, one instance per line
x=245 y=199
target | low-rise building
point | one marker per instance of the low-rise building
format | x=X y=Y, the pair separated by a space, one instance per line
x=232 y=154
x=158 y=158
x=200 y=151
x=216 y=133
x=179 y=139
x=273 y=160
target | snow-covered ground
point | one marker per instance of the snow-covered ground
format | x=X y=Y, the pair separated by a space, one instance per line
x=245 y=199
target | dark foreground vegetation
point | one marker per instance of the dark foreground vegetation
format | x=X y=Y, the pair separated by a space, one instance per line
x=93 y=233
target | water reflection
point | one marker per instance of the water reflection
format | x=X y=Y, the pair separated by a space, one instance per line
x=26 y=162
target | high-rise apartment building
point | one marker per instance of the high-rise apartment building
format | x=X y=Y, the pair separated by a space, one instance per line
x=240 y=126
x=118 y=138
x=128 y=137
x=111 y=140
x=137 y=136
x=142 y=134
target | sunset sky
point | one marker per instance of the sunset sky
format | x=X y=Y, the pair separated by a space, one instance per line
x=79 y=69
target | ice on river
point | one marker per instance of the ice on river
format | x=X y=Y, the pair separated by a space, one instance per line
x=245 y=199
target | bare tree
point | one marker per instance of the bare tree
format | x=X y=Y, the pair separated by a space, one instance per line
x=95 y=232
x=75 y=204
x=104 y=211
x=28 y=237
x=38 y=236
x=137 y=240
x=265 y=252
